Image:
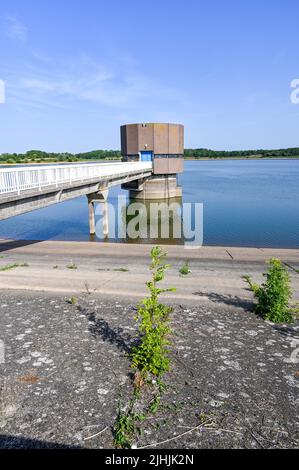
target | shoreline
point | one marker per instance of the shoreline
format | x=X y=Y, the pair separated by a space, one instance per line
x=60 y=163
x=144 y=246
x=119 y=160
x=241 y=158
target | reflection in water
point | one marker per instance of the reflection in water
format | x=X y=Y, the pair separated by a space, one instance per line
x=155 y=222
x=131 y=221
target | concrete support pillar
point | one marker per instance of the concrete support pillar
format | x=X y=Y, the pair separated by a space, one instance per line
x=105 y=218
x=92 y=222
x=99 y=197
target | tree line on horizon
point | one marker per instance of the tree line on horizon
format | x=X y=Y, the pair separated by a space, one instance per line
x=262 y=153
x=39 y=156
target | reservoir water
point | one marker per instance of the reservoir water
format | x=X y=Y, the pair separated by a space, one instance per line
x=245 y=203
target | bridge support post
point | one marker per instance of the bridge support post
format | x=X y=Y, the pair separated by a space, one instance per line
x=105 y=218
x=92 y=222
x=100 y=197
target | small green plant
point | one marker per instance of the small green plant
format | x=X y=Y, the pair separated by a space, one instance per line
x=55 y=267
x=124 y=428
x=8 y=267
x=161 y=385
x=73 y=301
x=140 y=417
x=184 y=270
x=274 y=295
x=151 y=355
x=72 y=266
x=155 y=404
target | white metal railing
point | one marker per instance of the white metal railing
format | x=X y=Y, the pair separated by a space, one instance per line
x=17 y=179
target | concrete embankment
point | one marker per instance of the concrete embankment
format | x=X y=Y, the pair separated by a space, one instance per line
x=121 y=270
x=67 y=364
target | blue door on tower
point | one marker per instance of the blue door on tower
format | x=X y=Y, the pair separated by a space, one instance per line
x=146 y=156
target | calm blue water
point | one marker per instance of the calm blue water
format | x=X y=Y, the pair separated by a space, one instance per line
x=246 y=203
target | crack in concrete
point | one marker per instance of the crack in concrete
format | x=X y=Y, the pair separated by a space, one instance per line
x=291 y=267
x=229 y=254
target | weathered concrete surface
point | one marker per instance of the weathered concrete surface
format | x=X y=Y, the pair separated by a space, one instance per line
x=65 y=367
x=155 y=188
x=122 y=269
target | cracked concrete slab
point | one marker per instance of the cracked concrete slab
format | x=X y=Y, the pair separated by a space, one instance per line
x=66 y=366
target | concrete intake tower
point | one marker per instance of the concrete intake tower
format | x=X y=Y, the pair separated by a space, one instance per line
x=163 y=145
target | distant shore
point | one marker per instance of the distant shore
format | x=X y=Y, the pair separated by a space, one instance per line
x=118 y=160
x=59 y=163
x=241 y=158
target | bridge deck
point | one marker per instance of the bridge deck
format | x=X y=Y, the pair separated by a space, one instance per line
x=36 y=178
x=23 y=189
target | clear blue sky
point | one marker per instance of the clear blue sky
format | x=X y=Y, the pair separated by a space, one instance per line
x=75 y=70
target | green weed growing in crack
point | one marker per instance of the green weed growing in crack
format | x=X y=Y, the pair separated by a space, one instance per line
x=127 y=424
x=72 y=266
x=155 y=404
x=72 y=301
x=124 y=428
x=185 y=270
x=8 y=267
x=151 y=356
x=274 y=295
